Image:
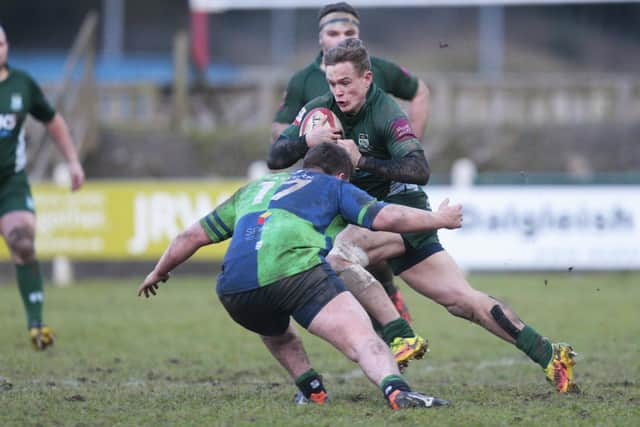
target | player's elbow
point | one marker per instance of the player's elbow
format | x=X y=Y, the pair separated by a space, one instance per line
x=426 y=173
x=423 y=174
x=276 y=130
x=275 y=161
x=423 y=91
x=421 y=170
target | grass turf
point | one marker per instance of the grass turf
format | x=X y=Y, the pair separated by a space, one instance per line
x=178 y=359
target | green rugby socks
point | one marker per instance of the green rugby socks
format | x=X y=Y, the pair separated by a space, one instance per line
x=397 y=328
x=310 y=384
x=537 y=347
x=391 y=383
x=29 y=280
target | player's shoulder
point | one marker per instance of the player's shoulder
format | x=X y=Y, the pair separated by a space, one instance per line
x=383 y=107
x=300 y=77
x=377 y=61
x=324 y=100
x=380 y=98
x=272 y=177
x=20 y=74
x=394 y=78
x=387 y=67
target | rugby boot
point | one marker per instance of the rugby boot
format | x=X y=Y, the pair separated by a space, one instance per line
x=406 y=349
x=559 y=371
x=412 y=399
x=41 y=337
x=318 y=398
x=398 y=301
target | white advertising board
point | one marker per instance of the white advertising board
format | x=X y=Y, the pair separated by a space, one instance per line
x=544 y=227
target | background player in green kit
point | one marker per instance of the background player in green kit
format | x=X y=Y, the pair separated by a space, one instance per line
x=386 y=152
x=337 y=22
x=20 y=96
x=275 y=267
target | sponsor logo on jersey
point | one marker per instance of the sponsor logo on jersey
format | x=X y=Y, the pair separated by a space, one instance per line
x=402 y=129
x=16 y=102
x=252 y=233
x=264 y=218
x=363 y=141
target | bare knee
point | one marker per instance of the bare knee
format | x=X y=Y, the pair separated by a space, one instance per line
x=280 y=340
x=345 y=253
x=21 y=243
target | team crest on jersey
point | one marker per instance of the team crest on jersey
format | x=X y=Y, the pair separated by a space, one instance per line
x=363 y=141
x=16 y=102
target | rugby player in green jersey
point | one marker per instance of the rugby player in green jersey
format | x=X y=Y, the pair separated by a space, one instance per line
x=387 y=155
x=275 y=267
x=337 y=22
x=20 y=96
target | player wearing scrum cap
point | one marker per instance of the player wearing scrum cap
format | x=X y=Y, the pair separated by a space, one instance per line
x=385 y=152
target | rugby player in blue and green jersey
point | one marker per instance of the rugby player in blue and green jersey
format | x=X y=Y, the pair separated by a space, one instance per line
x=275 y=267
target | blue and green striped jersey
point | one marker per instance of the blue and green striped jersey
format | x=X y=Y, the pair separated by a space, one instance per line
x=277 y=226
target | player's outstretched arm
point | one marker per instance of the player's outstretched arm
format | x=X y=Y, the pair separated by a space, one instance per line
x=402 y=219
x=59 y=131
x=181 y=248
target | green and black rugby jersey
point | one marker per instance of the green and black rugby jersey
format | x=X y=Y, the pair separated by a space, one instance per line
x=20 y=95
x=380 y=129
x=310 y=82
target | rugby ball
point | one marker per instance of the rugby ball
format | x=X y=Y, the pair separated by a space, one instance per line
x=320 y=117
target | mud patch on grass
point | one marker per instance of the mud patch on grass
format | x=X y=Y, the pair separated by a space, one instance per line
x=359 y=397
x=75 y=398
